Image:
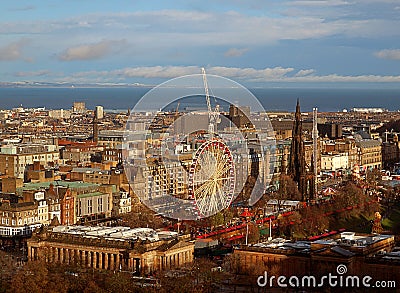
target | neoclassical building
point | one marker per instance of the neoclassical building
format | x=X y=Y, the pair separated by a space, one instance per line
x=140 y=250
x=374 y=255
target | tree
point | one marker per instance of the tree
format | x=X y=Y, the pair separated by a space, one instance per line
x=348 y=195
x=7 y=268
x=141 y=216
x=228 y=214
x=313 y=221
x=373 y=177
x=33 y=277
x=287 y=190
x=254 y=233
x=231 y=264
x=217 y=219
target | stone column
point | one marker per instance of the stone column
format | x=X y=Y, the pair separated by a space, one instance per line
x=32 y=253
x=95 y=260
x=101 y=260
x=112 y=267
x=144 y=267
x=72 y=257
x=83 y=258
x=67 y=256
x=79 y=257
x=117 y=262
x=130 y=264
x=89 y=263
x=61 y=255
x=106 y=261
x=53 y=254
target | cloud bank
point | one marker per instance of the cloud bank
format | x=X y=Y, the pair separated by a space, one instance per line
x=389 y=54
x=13 y=51
x=91 y=51
x=253 y=75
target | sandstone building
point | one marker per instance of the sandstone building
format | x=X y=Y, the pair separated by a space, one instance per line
x=140 y=250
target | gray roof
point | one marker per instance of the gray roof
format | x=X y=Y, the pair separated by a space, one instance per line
x=368 y=143
x=342 y=251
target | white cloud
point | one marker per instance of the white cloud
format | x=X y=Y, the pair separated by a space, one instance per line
x=323 y=3
x=175 y=71
x=276 y=74
x=90 y=51
x=156 y=71
x=234 y=52
x=33 y=73
x=334 y=78
x=172 y=28
x=251 y=74
x=13 y=51
x=388 y=54
x=24 y=8
x=305 y=72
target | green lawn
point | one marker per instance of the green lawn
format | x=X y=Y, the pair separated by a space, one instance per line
x=360 y=224
x=392 y=223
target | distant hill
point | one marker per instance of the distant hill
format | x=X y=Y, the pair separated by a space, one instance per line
x=40 y=84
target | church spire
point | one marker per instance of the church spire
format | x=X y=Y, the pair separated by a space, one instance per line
x=297 y=164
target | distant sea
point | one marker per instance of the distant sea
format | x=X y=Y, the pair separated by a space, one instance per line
x=273 y=99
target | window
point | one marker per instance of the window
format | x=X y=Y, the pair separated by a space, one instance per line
x=100 y=204
x=89 y=206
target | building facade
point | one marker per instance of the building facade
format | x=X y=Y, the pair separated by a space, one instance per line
x=18 y=217
x=139 y=251
x=369 y=154
x=361 y=254
x=15 y=158
x=334 y=162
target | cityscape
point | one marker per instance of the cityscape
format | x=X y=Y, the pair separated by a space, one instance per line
x=67 y=198
x=238 y=147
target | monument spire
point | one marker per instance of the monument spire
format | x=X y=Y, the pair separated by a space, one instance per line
x=297 y=164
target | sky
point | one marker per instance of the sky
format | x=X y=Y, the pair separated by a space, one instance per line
x=254 y=42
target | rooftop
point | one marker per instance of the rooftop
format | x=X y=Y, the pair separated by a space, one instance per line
x=346 y=243
x=115 y=233
x=68 y=184
x=83 y=195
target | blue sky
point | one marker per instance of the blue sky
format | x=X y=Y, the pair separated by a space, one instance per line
x=255 y=42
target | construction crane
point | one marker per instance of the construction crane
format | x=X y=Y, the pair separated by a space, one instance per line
x=177 y=109
x=212 y=115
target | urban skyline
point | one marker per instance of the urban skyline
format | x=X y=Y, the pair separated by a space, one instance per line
x=77 y=192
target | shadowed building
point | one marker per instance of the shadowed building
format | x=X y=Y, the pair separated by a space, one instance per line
x=297 y=163
x=374 y=255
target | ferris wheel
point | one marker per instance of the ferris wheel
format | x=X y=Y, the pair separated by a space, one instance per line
x=212 y=177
